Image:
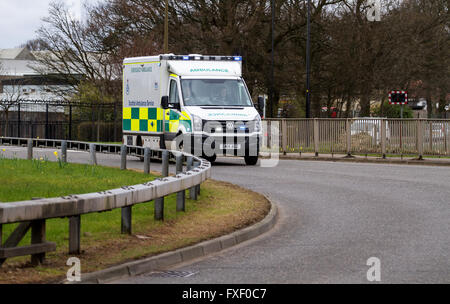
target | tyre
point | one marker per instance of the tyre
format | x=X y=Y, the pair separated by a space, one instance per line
x=139 y=144
x=211 y=159
x=251 y=160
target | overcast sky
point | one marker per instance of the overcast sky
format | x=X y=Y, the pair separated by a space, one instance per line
x=19 y=19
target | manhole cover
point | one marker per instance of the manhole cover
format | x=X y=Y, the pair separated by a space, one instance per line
x=171 y=274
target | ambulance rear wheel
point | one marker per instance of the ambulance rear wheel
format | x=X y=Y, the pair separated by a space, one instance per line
x=139 y=144
x=251 y=160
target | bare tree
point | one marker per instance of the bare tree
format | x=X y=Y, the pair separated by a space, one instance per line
x=75 y=53
x=354 y=61
x=10 y=99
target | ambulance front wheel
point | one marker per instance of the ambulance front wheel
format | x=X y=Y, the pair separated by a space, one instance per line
x=211 y=159
x=251 y=160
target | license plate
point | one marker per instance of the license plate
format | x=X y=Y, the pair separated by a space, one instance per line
x=230 y=146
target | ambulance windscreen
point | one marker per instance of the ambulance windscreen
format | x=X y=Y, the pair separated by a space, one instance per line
x=215 y=92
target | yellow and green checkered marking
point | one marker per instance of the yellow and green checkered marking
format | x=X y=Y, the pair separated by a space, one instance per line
x=151 y=120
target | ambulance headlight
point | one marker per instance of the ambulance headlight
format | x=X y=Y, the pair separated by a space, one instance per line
x=257 y=123
x=196 y=123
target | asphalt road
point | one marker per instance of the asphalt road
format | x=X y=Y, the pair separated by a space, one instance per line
x=333 y=218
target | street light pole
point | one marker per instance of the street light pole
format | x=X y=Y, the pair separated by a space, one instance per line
x=308 y=60
x=166 y=27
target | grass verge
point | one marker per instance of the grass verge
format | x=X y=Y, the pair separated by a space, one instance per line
x=221 y=209
x=24 y=179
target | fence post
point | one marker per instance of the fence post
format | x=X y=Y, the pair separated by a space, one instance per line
x=74 y=234
x=419 y=140
x=37 y=237
x=348 y=126
x=123 y=157
x=93 y=154
x=18 y=119
x=316 y=136
x=159 y=202
x=383 y=137
x=431 y=137
x=181 y=206
x=46 y=121
x=70 y=122
x=147 y=153
x=30 y=149
x=114 y=122
x=445 y=135
x=284 y=135
x=98 y=122
x=64 y=151
x=126 y=220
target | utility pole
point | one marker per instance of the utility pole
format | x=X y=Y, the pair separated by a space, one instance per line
x=308 y=60
x=166 y=27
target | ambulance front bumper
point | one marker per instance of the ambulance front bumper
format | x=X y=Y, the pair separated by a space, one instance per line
x=224 y=144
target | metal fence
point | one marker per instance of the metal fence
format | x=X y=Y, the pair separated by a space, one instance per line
x=361 y=136
x=61 y=120
x=103 y=122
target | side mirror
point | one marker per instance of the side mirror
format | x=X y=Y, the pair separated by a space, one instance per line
x=165 y=102
x=260 y=103
x=176 y=106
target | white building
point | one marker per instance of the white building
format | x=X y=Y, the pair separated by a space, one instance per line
x=21 y=77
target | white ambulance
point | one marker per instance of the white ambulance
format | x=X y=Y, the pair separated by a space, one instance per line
x=192 y=102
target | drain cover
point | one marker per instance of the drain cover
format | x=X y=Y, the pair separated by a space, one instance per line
x=171 y=274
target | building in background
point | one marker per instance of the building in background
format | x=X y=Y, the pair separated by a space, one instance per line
x=26 y=89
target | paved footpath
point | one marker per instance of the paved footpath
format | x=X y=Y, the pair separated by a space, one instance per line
x=334 y=216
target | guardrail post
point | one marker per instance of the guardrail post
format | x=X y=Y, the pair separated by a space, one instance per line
x=37 y=237
x=165 y=163
x=189 y=166
x=64 y=151
x=30 y=149
x=147 y=153
x=159 y=202
x=181 y=206
x=74 y=234
x=316 y=137
x=93 y=154
x=197 y=187
x=126 y=220
x=123 y=157
x=420 y=135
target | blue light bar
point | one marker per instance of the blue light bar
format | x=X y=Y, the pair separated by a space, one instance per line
x=200 y=57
